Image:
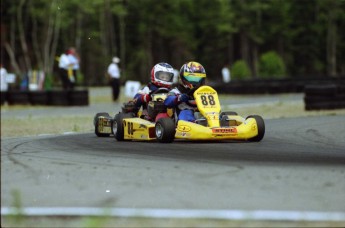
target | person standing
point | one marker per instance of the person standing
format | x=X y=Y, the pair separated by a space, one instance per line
x=3 y=71
x=226 y=74
x=114 y=74
x=73 y=66
x=63 y=71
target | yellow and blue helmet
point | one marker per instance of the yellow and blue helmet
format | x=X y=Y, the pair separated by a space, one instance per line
x=192 y=75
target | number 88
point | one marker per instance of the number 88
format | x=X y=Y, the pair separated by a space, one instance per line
x=206 y=101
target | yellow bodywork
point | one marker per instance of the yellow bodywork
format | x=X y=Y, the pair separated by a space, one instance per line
x=207 y=101
x=138 y=129
x=193 y=131
x=209 y=106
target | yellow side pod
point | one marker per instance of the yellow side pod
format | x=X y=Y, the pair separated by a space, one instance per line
x=138 y=129
x=192 y=131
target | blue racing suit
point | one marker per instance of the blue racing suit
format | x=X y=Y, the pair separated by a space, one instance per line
x=185 y=104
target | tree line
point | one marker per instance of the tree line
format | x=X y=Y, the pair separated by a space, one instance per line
x=306 y=36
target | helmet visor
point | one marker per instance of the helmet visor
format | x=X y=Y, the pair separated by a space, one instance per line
x=164 y=76
x=194 y=78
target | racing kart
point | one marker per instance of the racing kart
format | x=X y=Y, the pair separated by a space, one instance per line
x=155 y=109
x=164 y=126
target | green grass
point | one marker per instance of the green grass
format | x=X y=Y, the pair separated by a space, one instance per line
x=12 y=127
x=100 y=222
x=283 y=110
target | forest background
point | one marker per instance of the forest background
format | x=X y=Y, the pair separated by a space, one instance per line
x=257 y=38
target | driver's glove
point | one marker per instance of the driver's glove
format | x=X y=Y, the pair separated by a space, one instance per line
x=183 y=98
x=146 y=98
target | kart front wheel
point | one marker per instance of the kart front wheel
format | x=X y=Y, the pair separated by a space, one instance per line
x=261 y=128
x=165 y=130
x=118 y=127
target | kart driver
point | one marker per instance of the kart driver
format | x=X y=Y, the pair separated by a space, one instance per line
x=162 y=75
x=192 y=76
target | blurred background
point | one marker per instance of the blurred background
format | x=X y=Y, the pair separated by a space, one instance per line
x=257 y=39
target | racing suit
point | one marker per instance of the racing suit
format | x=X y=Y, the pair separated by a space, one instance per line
x=185 y=104
x=143 y=97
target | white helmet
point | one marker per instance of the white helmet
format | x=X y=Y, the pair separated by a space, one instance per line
x=162 y=75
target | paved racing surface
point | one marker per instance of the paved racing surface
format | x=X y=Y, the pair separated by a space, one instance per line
x=299 y=166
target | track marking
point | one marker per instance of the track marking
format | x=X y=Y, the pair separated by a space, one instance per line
x=178 y=213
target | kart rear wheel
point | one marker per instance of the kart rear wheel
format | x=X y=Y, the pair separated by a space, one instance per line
x=95 y=122
x=261 y=128
x=98 y=115
x=165 y=130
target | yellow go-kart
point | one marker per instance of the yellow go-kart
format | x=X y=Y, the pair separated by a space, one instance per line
x=211 y=123
x=131 y=123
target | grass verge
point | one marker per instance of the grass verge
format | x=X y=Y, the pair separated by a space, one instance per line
x=12 y=127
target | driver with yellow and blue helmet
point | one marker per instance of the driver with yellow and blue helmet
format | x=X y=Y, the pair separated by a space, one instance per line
x=192 y=76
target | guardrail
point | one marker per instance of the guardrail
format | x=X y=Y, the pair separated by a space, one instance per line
x=52 y=98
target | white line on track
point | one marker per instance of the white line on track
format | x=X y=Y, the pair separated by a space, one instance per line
x=178 y=213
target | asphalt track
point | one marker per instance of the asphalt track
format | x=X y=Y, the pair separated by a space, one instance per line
x=298 y=166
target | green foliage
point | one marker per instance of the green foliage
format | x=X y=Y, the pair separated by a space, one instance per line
x=80 y=78
x=306 y=34
x=240 y=70
x=271 y=65
x=48 y=82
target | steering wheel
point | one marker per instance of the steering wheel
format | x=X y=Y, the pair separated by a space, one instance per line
x=160 y=90
x=190 y=92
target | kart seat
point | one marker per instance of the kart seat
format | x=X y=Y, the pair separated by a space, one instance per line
x=225 y=121
x=200 y=119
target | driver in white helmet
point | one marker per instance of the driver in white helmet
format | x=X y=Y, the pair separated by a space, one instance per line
x=162 y=75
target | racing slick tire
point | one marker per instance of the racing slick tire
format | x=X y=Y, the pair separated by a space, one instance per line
x=98 y=115
x=117 y=126
x=165 y=130
x=95 y=123
x=261 y=128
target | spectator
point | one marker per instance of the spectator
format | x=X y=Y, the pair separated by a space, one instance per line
x=64 y=64
x=3 y=71
x=73 y=66
x=226 y=74
x=114 y=74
